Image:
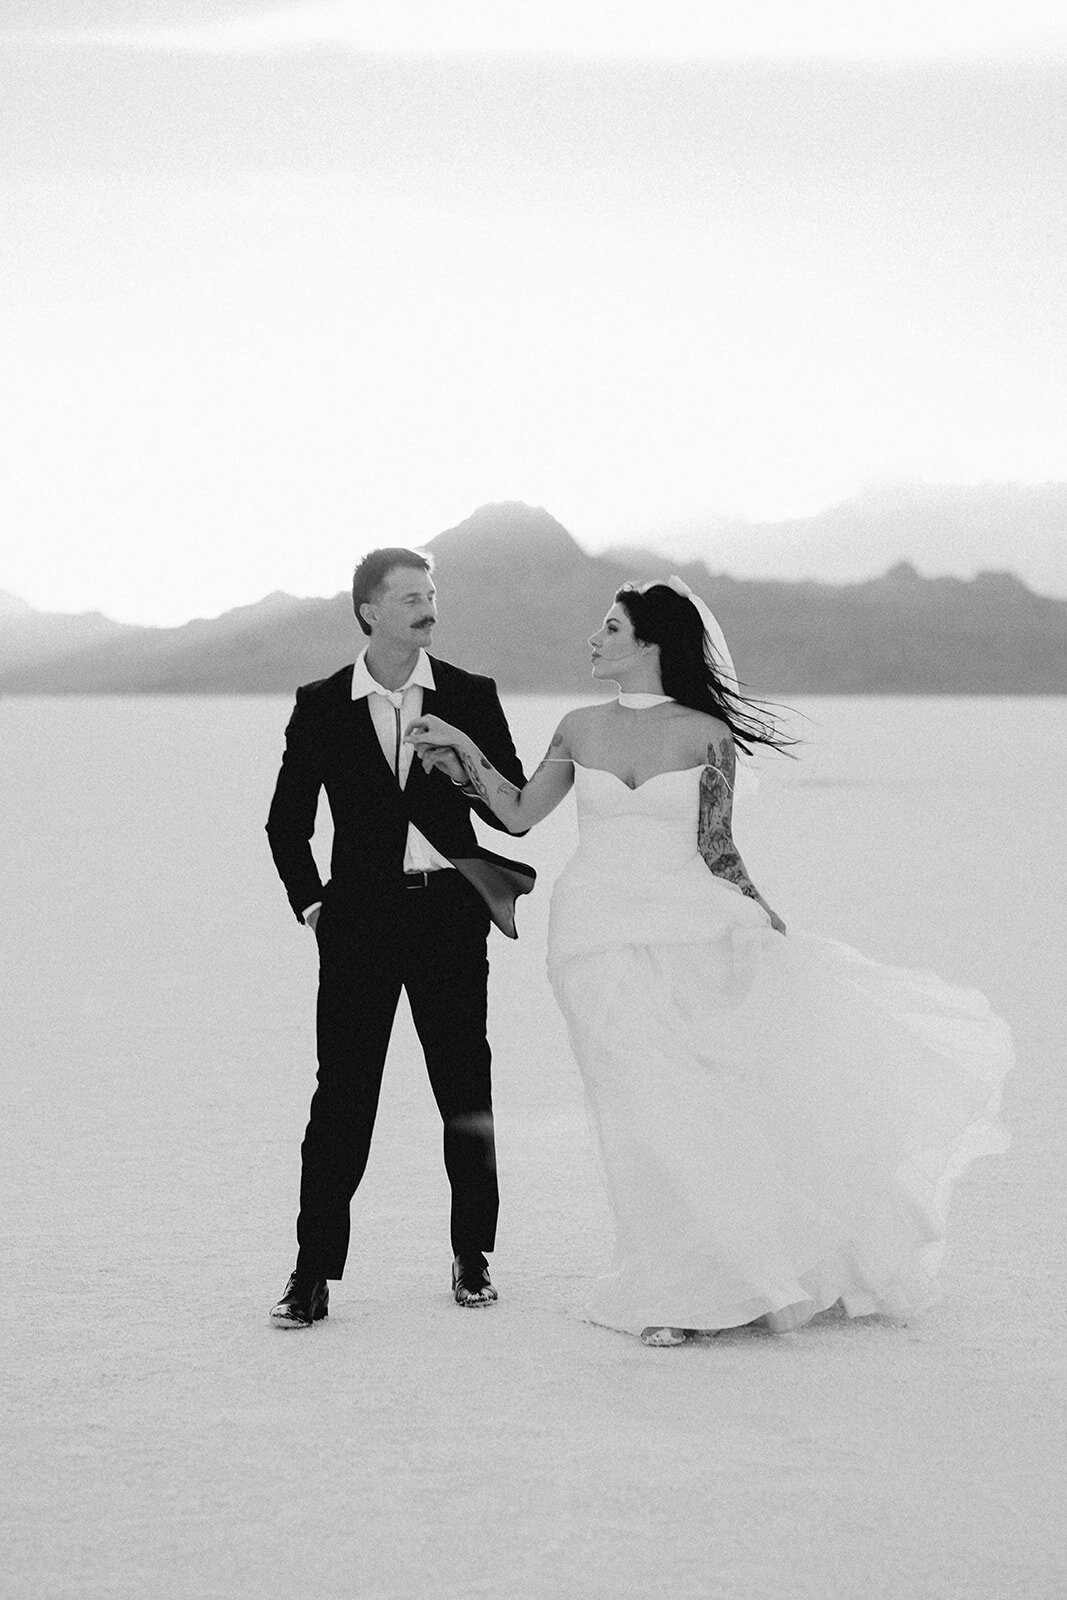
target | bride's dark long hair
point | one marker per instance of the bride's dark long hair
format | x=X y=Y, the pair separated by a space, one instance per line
x=691 y=675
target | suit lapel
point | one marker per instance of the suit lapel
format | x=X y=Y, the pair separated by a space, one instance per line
x=442 y=699
x=367 y=746
x=417 y=777
x=431 y=698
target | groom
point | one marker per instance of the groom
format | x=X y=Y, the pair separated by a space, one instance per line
x=408 y=906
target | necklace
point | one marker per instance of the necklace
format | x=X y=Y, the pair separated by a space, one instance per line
x=643 y=702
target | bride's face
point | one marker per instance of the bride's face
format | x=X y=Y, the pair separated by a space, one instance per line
x=615 y=646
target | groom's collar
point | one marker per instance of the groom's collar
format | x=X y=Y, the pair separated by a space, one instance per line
x=364 y=683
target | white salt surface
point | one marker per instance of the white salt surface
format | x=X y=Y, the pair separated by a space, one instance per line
x=161 y=1440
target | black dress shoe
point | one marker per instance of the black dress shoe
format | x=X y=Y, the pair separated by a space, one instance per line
x=470 y=1281
x=306 y=1300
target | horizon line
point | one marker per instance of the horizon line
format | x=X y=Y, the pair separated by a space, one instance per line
x=611 y=555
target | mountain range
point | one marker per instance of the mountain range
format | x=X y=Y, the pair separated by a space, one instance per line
x=955 y=527
x=519 y=598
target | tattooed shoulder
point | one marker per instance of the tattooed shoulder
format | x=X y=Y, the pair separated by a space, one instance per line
x=721 y=755
x=556 y=751
x=716 y=791
x=558 y=747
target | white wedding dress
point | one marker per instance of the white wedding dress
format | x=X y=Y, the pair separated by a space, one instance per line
x=779 y=1121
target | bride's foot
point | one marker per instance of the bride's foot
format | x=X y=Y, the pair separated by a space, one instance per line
x=786 y=1321
x=661 y=1337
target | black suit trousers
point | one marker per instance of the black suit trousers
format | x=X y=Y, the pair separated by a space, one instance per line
x=374 y=941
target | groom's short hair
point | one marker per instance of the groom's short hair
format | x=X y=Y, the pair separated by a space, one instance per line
x=375 y=568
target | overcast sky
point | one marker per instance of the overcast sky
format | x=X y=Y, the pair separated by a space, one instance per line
x=278 y=283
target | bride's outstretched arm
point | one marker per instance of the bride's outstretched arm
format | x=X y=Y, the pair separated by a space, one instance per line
x=714 y=837
x=518 y=808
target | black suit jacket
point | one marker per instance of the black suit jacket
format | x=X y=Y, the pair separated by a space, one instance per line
x=330 y=743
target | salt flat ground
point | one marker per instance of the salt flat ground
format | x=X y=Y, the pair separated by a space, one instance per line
x=161 y=1440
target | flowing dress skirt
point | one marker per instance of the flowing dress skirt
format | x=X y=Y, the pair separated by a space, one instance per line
x=779 y=1121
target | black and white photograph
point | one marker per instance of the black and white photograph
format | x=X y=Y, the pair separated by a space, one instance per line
x=533 y=734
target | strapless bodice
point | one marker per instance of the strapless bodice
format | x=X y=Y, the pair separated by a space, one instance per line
x=602 y=791
x=654 y=822
x=637 y=876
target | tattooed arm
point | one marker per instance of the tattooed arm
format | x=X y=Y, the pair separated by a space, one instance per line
x=714 y=838
x=517 y=806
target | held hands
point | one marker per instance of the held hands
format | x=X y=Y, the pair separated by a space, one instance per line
x=435 y=740
x=444 y=760
x=430 y=732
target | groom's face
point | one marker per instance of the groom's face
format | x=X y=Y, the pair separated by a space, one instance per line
x=406 y=609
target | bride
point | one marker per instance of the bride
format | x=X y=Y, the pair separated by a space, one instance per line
x=779 y=1121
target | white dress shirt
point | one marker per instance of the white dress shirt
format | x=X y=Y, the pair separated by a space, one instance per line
x=392 y=711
